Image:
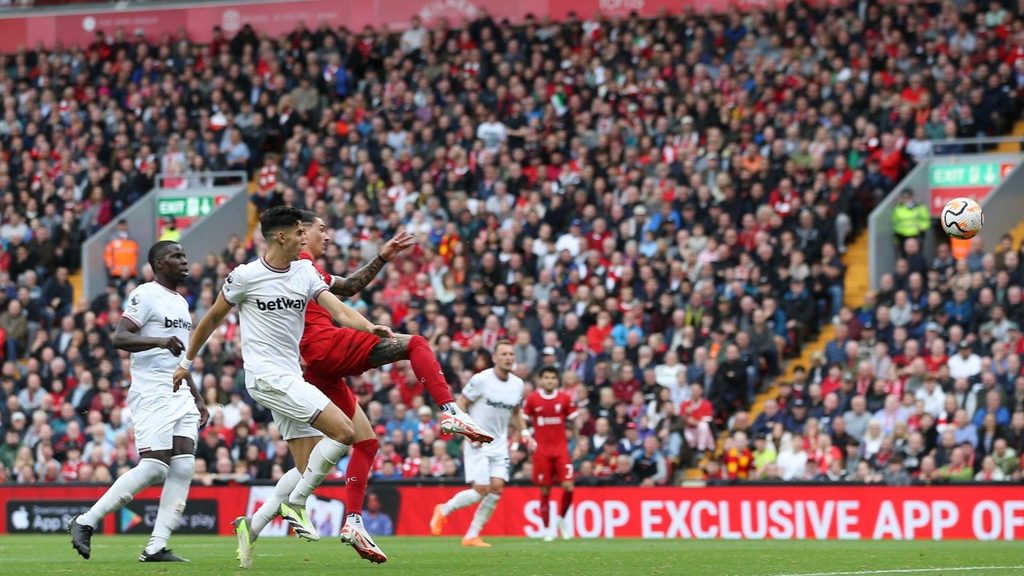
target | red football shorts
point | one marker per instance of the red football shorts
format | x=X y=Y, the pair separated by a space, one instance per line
x=333 y=356
x=551 y=469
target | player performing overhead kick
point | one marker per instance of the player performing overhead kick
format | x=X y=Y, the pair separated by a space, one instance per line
x=549 y=410
x=331 y=354
x=493 y=398
x=272 y=295
x=153 y=329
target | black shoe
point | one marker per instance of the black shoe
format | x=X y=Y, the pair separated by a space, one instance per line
x=164 y=555
x=81 y=538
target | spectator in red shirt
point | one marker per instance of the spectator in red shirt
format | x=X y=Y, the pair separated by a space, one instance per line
x=698 y=413
x=606 y=461
x=597 y=333
x=73 y=463
x=626 y=384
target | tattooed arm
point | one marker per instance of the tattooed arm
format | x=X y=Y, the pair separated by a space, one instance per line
x=347 y=286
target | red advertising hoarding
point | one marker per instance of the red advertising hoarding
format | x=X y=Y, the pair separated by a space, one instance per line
x=971 y=512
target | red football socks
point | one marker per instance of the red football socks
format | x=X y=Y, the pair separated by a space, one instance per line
x=545 y=509
x=566 y=501
x=358 y=472
x=428 y=371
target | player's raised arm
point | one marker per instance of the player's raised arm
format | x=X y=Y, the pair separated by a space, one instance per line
x=348 y=285
x=349 y=318
x=206 y=326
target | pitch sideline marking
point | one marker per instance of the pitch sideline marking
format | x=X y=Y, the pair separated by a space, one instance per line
x=909 y=571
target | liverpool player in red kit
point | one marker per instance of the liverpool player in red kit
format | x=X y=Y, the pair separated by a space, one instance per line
x=549 y=410
x=331 y=354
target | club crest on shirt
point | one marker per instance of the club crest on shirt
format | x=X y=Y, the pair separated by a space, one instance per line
x=135 y=300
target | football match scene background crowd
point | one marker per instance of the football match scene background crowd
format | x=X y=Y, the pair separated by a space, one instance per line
x=658 y=208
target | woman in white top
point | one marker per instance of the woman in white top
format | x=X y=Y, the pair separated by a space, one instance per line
x=873 y=438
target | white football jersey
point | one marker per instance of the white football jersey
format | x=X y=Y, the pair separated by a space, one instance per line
x=492 y=402
x=159 y=313
x=272 y=313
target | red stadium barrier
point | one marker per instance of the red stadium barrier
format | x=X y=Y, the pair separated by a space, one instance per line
x=79 y=27
x=750 y=512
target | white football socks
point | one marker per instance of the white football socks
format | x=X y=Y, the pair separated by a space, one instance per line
x=272 y=507
x=482 y=515
x=172 y=501
x=465 y=498
x=149 y=471
x=324 y=456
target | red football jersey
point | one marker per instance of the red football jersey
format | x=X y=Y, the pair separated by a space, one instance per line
x=549 y=415
x=317 y=318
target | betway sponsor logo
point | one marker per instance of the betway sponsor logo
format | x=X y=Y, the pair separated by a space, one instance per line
x=497 y=404
x=177 y=323
x=281 y=304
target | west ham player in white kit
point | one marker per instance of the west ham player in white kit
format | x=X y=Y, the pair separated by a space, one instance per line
x=154 y=327
x=492 y=398
x=271 y=294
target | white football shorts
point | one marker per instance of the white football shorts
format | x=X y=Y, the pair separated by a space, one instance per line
x=158 y=418
x=486 y=462
x=293 y=402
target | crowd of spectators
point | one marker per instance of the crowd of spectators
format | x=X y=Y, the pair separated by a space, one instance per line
x=920 y=385
x=658 y=207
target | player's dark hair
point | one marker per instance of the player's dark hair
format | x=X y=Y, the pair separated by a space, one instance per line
x=549 y=369
x=157 y=250
x=308 y=217
x=279 y=217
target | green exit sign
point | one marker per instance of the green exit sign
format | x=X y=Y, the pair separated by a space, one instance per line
x=187 y=207
x=968 y=175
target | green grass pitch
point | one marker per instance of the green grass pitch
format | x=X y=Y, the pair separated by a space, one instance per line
x=116 y=555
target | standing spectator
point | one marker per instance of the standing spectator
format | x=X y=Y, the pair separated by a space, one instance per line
x=910 y=218
x=122 y=254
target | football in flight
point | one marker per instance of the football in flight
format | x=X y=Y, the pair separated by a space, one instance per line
x=962 y=218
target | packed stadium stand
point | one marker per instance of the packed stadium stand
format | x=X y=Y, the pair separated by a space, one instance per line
x=666 y=209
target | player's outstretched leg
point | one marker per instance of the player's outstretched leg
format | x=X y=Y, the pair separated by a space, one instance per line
x=467 y=497
x=149 y=471
x=428 y=371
